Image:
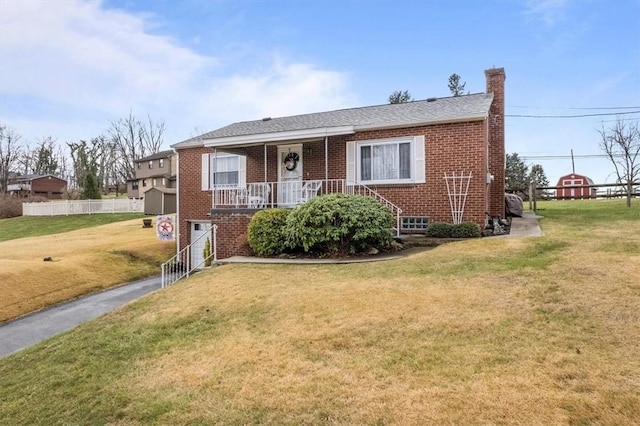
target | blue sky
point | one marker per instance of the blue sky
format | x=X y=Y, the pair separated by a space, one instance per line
x=70 y=67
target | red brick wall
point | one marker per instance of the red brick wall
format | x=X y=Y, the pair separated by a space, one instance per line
x=193 y=203
x=231 y=237
x=449 y=148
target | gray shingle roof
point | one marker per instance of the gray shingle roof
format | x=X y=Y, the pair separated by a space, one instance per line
x=161 y=154
x=460 y=108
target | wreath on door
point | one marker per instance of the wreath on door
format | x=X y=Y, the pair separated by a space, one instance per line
x=291 y=161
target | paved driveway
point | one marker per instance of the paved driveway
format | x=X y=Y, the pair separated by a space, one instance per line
x=31 y=329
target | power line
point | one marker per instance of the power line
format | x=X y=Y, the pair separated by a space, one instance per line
x=566 y=157
x=571 y=116
x=577 y=108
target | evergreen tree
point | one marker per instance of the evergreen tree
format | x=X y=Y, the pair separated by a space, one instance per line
x=456 y=88
x=538 y=176
x=90 y=188
x=516 y=175
x=400 y=97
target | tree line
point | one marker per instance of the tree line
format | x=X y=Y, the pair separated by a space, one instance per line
x=107 y=159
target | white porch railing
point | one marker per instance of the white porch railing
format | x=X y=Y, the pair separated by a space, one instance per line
x=69 y=207
x=290 y=194
x=181 y=265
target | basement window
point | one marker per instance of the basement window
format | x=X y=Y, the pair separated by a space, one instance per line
x=414 y=224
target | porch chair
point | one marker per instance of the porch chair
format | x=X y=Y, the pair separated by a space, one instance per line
x=259 y=195
x=310 y=190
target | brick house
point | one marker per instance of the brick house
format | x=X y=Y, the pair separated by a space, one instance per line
x=397 y=153
x=155 y=171
x=48 y=186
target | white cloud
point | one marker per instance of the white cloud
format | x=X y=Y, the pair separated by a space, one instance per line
x=549 y=12
x=78 y=62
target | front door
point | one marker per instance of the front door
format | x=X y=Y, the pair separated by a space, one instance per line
x=200 y=231
x=289 y=175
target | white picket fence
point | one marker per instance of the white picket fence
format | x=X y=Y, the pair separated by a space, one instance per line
x=69 y=207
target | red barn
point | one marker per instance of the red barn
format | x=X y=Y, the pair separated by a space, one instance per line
x=574 y=186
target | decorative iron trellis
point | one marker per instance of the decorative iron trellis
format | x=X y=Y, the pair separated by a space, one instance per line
x=457 y=189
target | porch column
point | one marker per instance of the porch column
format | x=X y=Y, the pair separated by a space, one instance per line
x=326 y=159
x=265 y=162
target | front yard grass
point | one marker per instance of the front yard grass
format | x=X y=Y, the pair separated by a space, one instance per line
x=488 y=331
x=34 y=226
x=83 y=261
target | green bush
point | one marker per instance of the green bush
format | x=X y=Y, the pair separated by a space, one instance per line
x=339 y=224
x=266 y=228
x=466 y=230
x=449 y=230
x=439 y=230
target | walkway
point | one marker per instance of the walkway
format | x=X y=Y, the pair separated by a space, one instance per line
x=31 y=329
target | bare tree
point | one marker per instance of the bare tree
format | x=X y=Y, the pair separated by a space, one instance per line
x=42 y=159
x=456 y=88
x=134 y=139
x=621 y=144
x=400 y=97
x=10 y=151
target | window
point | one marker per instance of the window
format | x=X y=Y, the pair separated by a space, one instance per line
x=144 y=183
x=155 y=182
x=384 y=161
x=134 y=185
x=164 y=182
x=409 y=224
x=139 y=164
x=161 y=163
x=151 y=164
x=223 y=170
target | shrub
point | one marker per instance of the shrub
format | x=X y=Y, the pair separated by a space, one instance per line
x=439 y=230
x=339 y=224
x=266 y=228
x=11 y=206
x=448 y=230
x=466 y=230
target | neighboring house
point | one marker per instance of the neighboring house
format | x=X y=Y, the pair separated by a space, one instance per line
x=574 y=186
x=397 y=153
x=154 y=171
x=48 y=186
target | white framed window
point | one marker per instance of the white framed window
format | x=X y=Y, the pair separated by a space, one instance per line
x=161 y=163
x=386 y=161
x=151 y=164
x=223 y=170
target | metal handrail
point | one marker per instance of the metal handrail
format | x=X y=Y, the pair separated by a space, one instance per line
x=179 y=266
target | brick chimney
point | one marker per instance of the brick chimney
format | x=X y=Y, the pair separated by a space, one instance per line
x=496 y=143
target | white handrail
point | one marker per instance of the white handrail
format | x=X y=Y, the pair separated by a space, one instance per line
x=179 y=266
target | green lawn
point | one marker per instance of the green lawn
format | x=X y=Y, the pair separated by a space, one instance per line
x=485 y=331
x=33 y=226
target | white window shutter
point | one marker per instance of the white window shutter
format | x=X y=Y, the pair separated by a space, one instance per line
x=242 y=171
x=419 y=160
x=205 y=172
x=351 y=163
